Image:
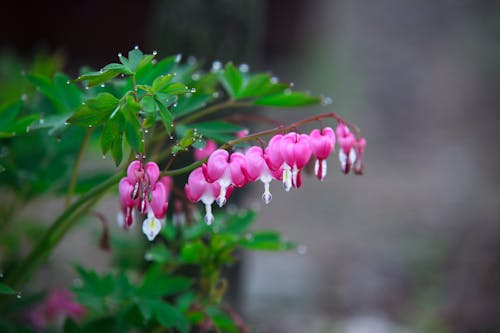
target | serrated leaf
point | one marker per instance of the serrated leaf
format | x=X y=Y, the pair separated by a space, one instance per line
x=6 y=290
x=231 y=79
x=288 y=100
x=96 y=111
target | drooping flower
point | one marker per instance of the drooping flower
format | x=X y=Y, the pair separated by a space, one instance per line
x=257 y=168
x=347 y=153
x=226 y=170
x=143 y=189
x=199 y=189
x=296 y=152
x=322 y=143
x=206 y=151
x=359 y=147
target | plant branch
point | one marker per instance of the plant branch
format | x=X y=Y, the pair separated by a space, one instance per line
x=76 y=167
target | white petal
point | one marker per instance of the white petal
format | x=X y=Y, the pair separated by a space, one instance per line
x=151 y=227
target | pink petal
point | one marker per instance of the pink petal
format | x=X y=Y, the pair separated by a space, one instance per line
x=153 y=172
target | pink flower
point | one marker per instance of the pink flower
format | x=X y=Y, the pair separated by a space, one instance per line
x=143 y=189
x=198 y=189
x=347 y=153
x=359 y=147
x=226 y=170
x=242 y=133
x=322 y=143
x=58 y=304
x=296 y=152
x=210 y=147
x=257 y=168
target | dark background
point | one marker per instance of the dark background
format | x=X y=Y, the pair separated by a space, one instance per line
x=412 y=246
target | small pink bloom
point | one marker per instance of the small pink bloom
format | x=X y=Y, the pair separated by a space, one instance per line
x=143 y=189
x=198 y=189
x=359 y=147
x=226 y=170
x=322 y=143
x=58 y=304
x=210 y=147
x=242 y=133
x=296 y=152
x=347 y=153
x=257 y=168
x=273 y=152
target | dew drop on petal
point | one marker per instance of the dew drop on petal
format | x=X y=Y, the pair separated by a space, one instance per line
x=178 y=57
x=155 y=52
x=136 y=47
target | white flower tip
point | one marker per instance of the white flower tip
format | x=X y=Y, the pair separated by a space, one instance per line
x=267 y=197
x=151 y=227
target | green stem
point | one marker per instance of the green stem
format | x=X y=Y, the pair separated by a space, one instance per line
x=58 y=229
x=76 y=166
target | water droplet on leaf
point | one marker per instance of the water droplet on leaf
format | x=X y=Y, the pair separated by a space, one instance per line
x=244 y=68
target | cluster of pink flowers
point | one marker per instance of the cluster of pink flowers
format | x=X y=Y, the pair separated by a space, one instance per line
x=283 y=159
x=58 y=304
x=144 y=190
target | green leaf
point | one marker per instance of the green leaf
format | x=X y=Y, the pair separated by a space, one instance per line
x=68 y=93
x=193 y=253
x=239 y=223
x=112 y=131
x=47 y=88
x=95 y=111
x=187 y=105
x=288 y=100
x=261 y=85
x=168 y=316
x=176 y=89
x=149 y=104
x=161 y=83
x=71 y=327
x=6 y=290
x=117 y=150
x=222 y=320
x=9 y=112
x=159 y=285
x=95 y=78
x=134 y=138
x=166 y=117
x=134 y=58
x=231 y=79
x=158 y=253
x=147 y=73
x=266 y=241
x=216 y=126
x=120 y=67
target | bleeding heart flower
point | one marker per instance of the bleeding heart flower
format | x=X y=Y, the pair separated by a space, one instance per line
x=296 y=152
x=210 y=147
x=322 y=143
x=198 y=189
x=257 y=168
x=226 y=170
x=359 y=147
x=347 y=153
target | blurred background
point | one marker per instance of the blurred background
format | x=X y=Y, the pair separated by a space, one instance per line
x=414 y=244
